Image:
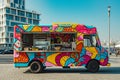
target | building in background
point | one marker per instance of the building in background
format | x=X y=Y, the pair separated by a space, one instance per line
x=13 y=12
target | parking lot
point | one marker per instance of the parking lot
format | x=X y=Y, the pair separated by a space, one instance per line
x=8 y=72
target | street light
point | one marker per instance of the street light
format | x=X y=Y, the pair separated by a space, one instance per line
x=109 y=7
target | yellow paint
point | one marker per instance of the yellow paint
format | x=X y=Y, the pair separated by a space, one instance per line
x=74 y=25
x=74 y=30
x=25 y=27
x=108 y=64
x=73 y=65
x=36 y=29
x=52 y=57
x=79 y=42
x=59 y=29
x=63 y=60
x=102 y=60
x=93 y=51
x=79 y=34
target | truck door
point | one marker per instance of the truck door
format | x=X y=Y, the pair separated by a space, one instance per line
x=90 y=44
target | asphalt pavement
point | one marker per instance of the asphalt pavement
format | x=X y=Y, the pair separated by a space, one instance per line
x=9 y=72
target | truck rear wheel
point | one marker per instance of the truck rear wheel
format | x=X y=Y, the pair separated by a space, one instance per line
x=36 y=67
x=93 y=66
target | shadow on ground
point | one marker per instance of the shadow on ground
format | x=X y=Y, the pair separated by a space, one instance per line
x=104 y=70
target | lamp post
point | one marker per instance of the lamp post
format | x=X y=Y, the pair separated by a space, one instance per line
x=109 y=7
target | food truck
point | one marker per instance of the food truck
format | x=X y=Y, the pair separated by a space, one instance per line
x=59 y=45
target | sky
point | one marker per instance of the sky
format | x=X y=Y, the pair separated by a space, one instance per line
x=88 y=12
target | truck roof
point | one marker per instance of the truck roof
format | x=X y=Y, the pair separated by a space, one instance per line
x=85 y=29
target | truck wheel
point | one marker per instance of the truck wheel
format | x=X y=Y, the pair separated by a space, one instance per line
x=93 y=66
x=36 y=67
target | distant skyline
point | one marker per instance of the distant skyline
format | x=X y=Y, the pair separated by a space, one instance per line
x=88 y=12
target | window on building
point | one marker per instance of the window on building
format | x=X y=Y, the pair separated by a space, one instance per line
x=10 y=29
x=38 y=17
x=11 y=34
x=30 y=21
x=11 y=4
x=9 y=45
x=19 y=7
x=34 y=16
x=9 y=17
x=16 y=1
x=21 y=13
x=29 y=15
x=23 y=19
x=36 y=22
x=7 y=23
x=13 y=23
x=7 y=40
x=13 y=11
x=23 y=2
x=20 y=2
x=23 y=7
x=17 y=18
x=11 y=40
x=8 y=10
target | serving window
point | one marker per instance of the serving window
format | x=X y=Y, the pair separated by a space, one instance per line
x=49 y=41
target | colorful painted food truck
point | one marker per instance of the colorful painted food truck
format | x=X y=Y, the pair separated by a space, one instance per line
x=62 y=45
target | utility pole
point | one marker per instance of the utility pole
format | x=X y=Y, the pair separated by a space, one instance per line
x=109 y=8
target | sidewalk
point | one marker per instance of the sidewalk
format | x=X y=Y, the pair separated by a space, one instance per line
x=115 y=61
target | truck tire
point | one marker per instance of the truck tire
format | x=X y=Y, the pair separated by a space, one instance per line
x=36 y=67
x=93 y=66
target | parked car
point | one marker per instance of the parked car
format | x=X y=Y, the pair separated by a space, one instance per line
x=8 y=52
x=1 y=51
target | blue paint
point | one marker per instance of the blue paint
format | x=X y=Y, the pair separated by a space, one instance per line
x=31 y=55
x=81 y=59
x=89 y=26
x=16 y=48
x=29 y=28
x=15 y=40
x=47 y=25
x=103 y=56
x=21 y=64
x=83 y=52
x=97 y=57
x=69 y=61
x=18 y=30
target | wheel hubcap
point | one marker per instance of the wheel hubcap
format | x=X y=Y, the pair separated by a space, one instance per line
x=34 y=67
